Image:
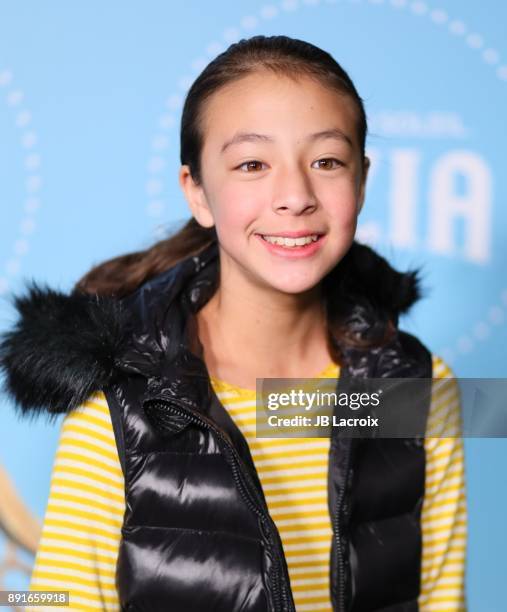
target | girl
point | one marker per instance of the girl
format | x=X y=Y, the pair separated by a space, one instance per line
x=162 y=497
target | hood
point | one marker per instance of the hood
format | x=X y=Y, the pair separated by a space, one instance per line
x=65 y=347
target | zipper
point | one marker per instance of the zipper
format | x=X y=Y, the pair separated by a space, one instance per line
x=245 y=486
x=339 y=551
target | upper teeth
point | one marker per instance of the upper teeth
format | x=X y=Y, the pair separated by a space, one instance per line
x=291 y=241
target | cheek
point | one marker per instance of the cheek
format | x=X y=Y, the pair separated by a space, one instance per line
x=340 y=203
x=237 y=207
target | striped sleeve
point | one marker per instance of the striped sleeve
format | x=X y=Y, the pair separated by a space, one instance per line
x=444 y=513
x=81 y=531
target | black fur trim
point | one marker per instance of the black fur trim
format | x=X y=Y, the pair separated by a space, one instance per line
x=61 y=350
x=372 y=275
x=364 y=292
x=66 y=347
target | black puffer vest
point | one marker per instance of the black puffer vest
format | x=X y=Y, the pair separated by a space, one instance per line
x=197 y=535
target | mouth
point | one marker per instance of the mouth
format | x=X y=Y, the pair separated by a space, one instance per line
x=292 y=239
x=305 y=245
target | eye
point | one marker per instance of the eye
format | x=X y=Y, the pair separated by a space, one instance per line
x=248 y=164
x=328 y=160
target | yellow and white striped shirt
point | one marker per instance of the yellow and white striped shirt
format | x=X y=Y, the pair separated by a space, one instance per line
x=81 y=531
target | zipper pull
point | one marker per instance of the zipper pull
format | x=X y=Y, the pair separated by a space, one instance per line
x=164 y=420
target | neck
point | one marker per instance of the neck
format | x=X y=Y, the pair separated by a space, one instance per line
x=247 y=332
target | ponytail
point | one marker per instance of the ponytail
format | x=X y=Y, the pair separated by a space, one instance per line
x=122 y=275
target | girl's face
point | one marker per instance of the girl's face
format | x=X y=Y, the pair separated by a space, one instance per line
x=280 y=157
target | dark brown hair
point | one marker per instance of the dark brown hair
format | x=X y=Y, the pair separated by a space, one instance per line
x=282 y=55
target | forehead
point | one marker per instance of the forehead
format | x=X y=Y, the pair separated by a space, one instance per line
x=265 y=101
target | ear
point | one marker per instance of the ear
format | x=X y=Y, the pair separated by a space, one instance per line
x=362 y=186
x=195 y=197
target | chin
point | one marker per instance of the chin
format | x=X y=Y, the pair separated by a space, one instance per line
x=294 y=285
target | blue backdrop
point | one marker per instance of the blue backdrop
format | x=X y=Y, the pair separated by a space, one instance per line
x=90 y=101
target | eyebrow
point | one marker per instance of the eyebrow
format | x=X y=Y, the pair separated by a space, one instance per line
x=239 y=137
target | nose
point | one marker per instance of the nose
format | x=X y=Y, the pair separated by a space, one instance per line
x=293 y=193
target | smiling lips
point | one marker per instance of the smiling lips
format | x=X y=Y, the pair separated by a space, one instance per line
x=296 y=234
x=292 y=239
x=292 y=244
